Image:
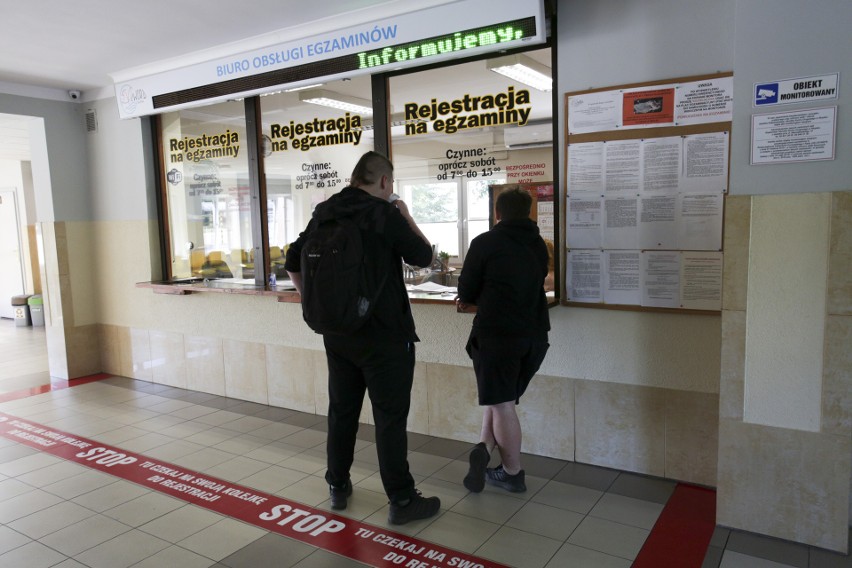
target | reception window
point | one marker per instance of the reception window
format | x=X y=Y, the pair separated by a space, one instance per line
x=459 y=130
x=241 y=179
x=312 y=138
x=206 y=194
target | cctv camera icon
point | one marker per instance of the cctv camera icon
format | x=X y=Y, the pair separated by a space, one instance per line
x=74 y=95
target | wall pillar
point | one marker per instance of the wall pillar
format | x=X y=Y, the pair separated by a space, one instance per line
x=785 y=435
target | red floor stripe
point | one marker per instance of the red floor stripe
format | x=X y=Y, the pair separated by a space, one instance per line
x=55 y=384
x=682 y=533
x=373 y=545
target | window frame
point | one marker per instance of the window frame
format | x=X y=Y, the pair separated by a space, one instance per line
x=382 y=144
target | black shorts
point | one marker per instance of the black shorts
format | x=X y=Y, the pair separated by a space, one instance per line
x=504 y=366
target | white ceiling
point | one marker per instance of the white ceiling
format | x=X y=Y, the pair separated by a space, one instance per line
x=53 y=46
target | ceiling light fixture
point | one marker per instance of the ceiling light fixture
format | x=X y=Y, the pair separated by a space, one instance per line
x=336 y=100
x=523 y=69
x=302 y=88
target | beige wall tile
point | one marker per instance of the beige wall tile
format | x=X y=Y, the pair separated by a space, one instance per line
x=453 y=407
x=736 y=243
x=546 y=413
x=291 y=378
x=732 y=378
x=57 y=352
x=125 y=351
x=245 y=371
x=837 y=376
x=84 y=351
x=140 y=355
x=168 y=358
x=205 y=364
x=110 y=349
x=785 y=483
x=692 y=436
x=321 y=381
x=840 y=255
x=418 y=416
x=620 y=426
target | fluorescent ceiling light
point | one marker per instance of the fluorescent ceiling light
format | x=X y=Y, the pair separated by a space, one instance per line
x=337 y=100
x=302 y=88
x=523 y=69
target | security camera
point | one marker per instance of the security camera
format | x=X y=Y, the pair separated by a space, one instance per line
x=75 y=95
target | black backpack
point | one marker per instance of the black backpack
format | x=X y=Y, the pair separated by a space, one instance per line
x=337 y=297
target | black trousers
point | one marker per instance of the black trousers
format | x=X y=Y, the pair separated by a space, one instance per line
x=385 y=370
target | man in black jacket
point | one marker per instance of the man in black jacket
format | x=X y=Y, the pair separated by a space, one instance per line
x=379 y=357
x=503 y=276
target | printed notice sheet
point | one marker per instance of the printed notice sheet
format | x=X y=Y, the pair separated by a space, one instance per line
x=661 y=279
x=622 y=277
x=699 y=221
x=709 y=100
x=701 y=280
x=585 y=168
x=585 y=221
x=584 y=276
x=623 y=168
x=705 y=163
x=621 y=223
x=594 y=112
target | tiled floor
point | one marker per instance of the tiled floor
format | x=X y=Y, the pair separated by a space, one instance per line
x=57 y=513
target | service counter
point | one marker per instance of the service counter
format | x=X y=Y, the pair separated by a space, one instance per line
x=284 y=291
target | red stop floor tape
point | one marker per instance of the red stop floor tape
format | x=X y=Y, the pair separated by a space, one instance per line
x=359 y=541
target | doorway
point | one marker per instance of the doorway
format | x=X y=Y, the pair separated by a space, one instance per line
x=12 y=274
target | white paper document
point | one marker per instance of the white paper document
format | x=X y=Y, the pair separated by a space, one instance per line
x=661 y=164
x=594 y=112
x=623 y=168
x=658 y=222
x=585 y=169
x=621 y=223
x=699 y=221
x=661 y=279
x=584 y=275
x=622 y=281
x=585 y=219
x=705 y=163
x=701 y=280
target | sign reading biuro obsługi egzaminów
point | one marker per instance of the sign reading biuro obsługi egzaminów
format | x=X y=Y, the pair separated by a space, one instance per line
x=801 y=90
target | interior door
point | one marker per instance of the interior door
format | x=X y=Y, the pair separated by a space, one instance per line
x=11 y=269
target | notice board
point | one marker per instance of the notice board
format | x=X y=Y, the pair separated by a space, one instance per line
x=646 y=175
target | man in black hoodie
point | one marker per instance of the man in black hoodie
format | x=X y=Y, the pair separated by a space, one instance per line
x=503 y=276
x=379 y=357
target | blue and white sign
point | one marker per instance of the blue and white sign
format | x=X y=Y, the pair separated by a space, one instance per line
x=799 y=90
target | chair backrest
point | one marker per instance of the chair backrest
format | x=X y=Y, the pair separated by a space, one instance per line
x=196 y=259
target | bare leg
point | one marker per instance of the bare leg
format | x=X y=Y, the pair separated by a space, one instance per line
x=487 y=434
x=505 y=429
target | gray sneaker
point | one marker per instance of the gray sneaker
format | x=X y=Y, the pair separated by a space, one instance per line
x=497 y=476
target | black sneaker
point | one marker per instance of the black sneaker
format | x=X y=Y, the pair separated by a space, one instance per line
x=418 y=507
x=498 y=476
x=339 y=495
x=475 y=479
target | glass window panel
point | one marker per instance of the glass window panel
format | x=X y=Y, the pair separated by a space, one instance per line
x=469 y=127
x=435 y=208
x=309 y=151
x=207 y=192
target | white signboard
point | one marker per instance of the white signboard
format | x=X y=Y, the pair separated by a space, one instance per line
x=795 y=136
x=800 y=90
x=421 y=37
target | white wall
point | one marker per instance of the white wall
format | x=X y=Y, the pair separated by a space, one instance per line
x=784 y=39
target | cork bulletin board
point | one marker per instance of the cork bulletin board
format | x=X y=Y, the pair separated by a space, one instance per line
x=646 y=175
